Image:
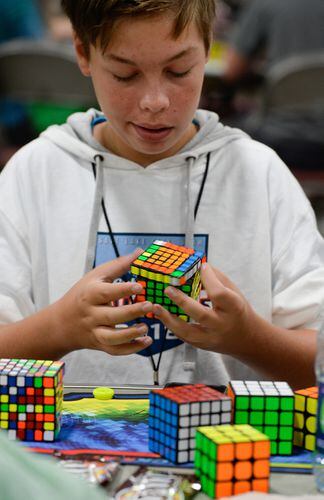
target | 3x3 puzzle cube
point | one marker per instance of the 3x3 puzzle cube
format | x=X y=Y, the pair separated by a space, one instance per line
x=31 y=396
x=267 y=406
x=305 y=418
x=176 y=412
x=163 y=264
x=232 y=459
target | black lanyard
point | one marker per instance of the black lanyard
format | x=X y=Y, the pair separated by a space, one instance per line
x=155 y=367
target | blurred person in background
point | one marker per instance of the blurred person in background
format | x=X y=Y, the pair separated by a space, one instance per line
x=18 y=19
x=276 y=30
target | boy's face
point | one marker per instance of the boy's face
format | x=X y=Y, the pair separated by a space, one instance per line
x=148 y=85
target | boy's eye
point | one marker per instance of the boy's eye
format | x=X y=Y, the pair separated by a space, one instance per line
x=125 y=78
x=181 y=74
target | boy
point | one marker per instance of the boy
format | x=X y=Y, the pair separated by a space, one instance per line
x=152 y=167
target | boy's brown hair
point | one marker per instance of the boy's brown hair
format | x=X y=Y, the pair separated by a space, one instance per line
x=94 y=20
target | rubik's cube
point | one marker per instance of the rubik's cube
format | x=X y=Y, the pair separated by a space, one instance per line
x=176 y=412
x=267 y=406
x=31 y=395
x=232 y=459
x=163 y=264
x=305 y=418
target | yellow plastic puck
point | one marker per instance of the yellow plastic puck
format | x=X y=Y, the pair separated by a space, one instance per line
x=103 y=393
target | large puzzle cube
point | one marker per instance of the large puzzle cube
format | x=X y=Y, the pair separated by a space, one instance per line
x=163 y=264
x=31 y=395
x=305 y=418
x=176 y=412
x=267 y=406
x=232 y=459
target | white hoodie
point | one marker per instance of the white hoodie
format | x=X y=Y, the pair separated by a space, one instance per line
x=253 y=221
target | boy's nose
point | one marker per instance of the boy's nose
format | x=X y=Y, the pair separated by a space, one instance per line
x=154 y=100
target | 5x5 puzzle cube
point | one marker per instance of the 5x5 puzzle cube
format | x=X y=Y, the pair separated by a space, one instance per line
x=176 y=412
x=267 y=406
x=31 y=396
x=163 y=264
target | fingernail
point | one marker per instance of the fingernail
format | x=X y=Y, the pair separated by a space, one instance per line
x=136 y=288
x=147 y=306
x=156 y=311
x=141 y=329
x=147 y=340
x=172 y=292
x=137 y=252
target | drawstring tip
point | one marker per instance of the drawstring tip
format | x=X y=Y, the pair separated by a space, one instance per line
x=156 y=378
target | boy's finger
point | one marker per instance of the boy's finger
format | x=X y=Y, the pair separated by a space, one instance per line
x=185 y=331
x=104 y=293
x=219 y=295
x=131 y=348
x=108 y=315
x=193 y=308
x=119 y=336
x=115 y=268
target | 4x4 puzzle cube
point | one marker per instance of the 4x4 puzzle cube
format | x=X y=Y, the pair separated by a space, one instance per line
x=232 y=459
x=31 y=396
x=163 y=264
x=305 y=418
x=267 y=406
x=176 y=412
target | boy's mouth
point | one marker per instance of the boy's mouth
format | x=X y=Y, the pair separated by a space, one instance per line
x=152 y=132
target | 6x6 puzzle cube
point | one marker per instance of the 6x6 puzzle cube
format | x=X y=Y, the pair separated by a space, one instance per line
x=163 y=264
x=31 y=396
x=176 y=412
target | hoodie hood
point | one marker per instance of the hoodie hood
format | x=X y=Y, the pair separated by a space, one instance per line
x=75 y=137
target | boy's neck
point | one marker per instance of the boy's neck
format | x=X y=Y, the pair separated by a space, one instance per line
x=106 y=136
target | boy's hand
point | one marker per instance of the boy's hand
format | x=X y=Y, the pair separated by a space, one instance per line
x=86 y=319
x=221 y=328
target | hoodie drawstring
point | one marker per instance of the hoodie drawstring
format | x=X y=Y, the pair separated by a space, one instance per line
x=190 y=354
x=94 y=223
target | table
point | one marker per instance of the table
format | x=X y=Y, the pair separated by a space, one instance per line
x=283 y=483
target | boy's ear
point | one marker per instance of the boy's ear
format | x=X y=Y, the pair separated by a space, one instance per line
x=82 y=56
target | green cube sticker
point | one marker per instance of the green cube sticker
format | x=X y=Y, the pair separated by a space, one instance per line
x=286 y=433
x=212 y=452
x=38 y=382
x=241 y=417
x=286 y=418
x=271 y=431
x=257 y=403
x=242 y=402
x=272 y=403
x=197 y=458
x=271 y=418
x=287 y=403
x=285 y=448
x=210 y=489
x=256 y=418
x=212 y=470
x=273 y=448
